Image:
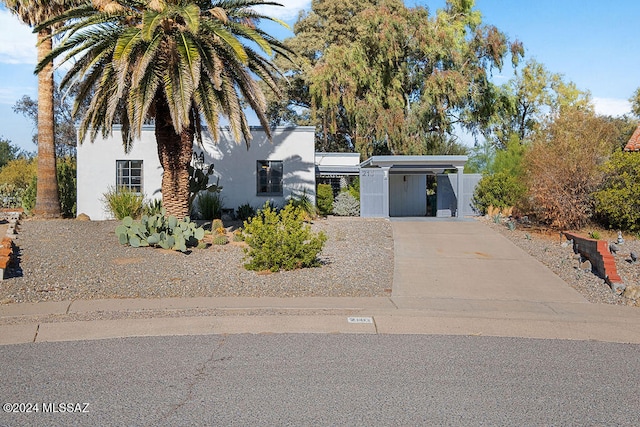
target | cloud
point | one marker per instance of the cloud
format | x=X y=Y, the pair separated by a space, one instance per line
x=612 y=106
x=289 y=11
x=17 y=42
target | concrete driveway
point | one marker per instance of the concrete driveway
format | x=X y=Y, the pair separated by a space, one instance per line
x=468 y=260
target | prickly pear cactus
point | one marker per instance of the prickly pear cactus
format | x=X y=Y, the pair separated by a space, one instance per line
x=160 y=231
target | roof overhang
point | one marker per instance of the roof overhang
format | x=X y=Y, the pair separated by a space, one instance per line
x=339 y=170
x=415 y=164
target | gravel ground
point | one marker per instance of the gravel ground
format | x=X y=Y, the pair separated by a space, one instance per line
x=547 y=246
x=70 y=259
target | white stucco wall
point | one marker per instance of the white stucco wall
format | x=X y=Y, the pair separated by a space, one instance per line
x=234 y=165
x=97 y=170
x=337 y=159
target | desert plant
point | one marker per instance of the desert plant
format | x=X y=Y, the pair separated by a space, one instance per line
x=324 y=199
x=220 y=240
x=209 y=204
x=303 y=202
x=122 y=202
x=346 y=205
x=217 y=224
x=160 y=230
x=238 y=236
x=152 y=207
x=245 y=211
x=281 y=241
x=617 y=202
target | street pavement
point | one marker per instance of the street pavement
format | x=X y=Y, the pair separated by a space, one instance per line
x=320 y=380
x=451 y=277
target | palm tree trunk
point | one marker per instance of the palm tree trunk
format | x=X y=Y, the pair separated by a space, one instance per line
x=47 y=200
x=175 y=152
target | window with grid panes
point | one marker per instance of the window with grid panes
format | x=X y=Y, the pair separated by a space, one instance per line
x=269 y=176
x=129 y=175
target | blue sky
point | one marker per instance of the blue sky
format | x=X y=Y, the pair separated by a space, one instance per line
x=593 y=43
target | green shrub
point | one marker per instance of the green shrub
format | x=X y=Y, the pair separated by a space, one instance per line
x=499 y=190
x=324 y=199
x=594 y=235
x=354 y=188
x=281 y=241
x=209 y=204
x=66 y=172
x=29 y=195
x=346 y=205
x=123 y=202
x=617 y=203
x=244 y=212
x=18 y=184
x=19 y=172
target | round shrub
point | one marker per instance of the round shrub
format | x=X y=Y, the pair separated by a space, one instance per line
x=617 y=204
x=281 y=240
x=499 y=190
x=324 y=199
x=346 y=205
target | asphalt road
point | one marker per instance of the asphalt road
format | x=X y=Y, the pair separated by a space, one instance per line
x=386 y=380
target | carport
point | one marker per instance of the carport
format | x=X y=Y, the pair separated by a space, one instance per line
x=396 y=185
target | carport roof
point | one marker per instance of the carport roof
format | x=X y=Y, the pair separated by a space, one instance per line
x=415 y=163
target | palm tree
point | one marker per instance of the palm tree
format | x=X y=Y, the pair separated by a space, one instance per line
x=174 y=61
x=33 y=13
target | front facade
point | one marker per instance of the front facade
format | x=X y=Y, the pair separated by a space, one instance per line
x=390 y=186
x=416 y=186
x=267 y=171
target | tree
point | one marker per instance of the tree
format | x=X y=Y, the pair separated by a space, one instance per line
x=522 y=105
x=562 y=166
x=175 y=62
x=64 y=125
x=379 y=77
x=8 y=152
x=33 y=13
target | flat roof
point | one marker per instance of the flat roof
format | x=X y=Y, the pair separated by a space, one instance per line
x=415 y=163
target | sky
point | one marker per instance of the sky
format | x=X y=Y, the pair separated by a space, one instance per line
x=593 y=43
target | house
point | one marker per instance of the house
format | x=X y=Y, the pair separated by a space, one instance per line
x=278 y=170
x=634 y=142
x=416 y=186
x=267 y=171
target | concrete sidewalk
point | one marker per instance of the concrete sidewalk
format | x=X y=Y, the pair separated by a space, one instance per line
x=451 y=277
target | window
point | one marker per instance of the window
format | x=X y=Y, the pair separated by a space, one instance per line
x=129 y=175
x=270 y=177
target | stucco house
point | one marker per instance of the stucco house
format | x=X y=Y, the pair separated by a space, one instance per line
x=278 y=170
x=267 y=171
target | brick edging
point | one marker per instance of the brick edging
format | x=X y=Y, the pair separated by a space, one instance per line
x=597 y=252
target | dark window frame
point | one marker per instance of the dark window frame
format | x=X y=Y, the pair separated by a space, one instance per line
x=269 y=177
